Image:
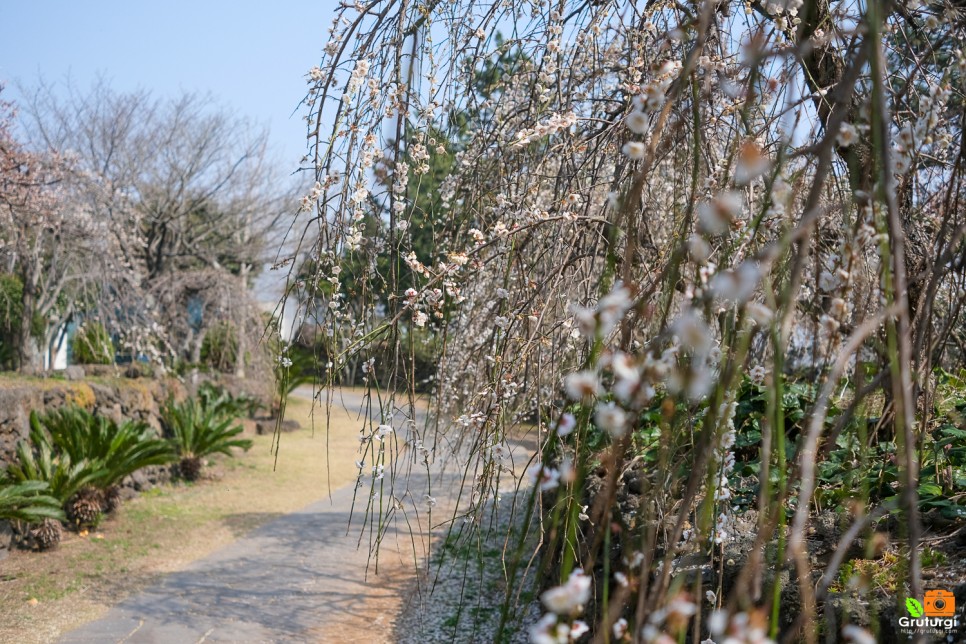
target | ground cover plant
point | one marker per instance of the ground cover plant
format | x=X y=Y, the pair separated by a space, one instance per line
x=714 y=249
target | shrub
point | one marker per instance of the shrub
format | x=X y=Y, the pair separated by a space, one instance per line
x=223 y=403
x=199 y=428
x=81 y=458
x=219 y=348
x=34 y=514
x=117 y=450
x=92 y=345
x=38 y=462
x=11 y=314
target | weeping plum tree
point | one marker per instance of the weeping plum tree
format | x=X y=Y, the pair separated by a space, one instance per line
x=664 y=226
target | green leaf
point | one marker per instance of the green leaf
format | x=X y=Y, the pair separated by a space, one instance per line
x=914 y=607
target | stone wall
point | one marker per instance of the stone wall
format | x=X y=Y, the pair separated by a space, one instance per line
x=119 y=398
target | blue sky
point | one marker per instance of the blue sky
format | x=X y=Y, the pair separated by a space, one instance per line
x=251 y=56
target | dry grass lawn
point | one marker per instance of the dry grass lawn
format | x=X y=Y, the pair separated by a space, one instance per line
x=43 y=595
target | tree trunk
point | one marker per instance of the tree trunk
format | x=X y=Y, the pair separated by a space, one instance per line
x=194 y=345
x=242 y=328
x=27 y=352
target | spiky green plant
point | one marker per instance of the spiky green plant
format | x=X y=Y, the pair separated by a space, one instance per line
x=222 y=403
x=198 y=430
x=119 y=450
x=29 y=502
x=36 y=461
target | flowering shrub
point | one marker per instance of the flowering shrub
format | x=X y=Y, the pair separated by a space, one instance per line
x=719 y=239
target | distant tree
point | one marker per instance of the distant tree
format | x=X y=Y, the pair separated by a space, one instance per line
x=191 y=200
x=50 y=245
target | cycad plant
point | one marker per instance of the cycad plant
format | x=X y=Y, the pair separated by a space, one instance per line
x=115 y=450
x=83 y=458
x=67 y=481
x=30 y=504
x=120 y=450
x=221 y=402
x=38 y=462
x=198 y=430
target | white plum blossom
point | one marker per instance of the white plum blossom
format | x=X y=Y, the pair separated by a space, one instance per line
x=717 y=216
x=736 y=285
x=578 y=629
x=627 y=378
x=847 y=135
x=547 y=478
x=699 y=249
x=751 y=163
x=586 y=319
x=692 y=332
x=571 y=597
x=759 y=313
x=721 y=529
x=611 y=418
x=828 y=281
x=637 y=122
x=620 y=628
x=634 y=150
x=549 y=631
x=718 y=622
x=613 y=306
x=582 y=385
x=566 y=424
x=757 y=374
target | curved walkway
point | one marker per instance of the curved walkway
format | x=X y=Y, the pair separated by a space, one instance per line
x=300 y=578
